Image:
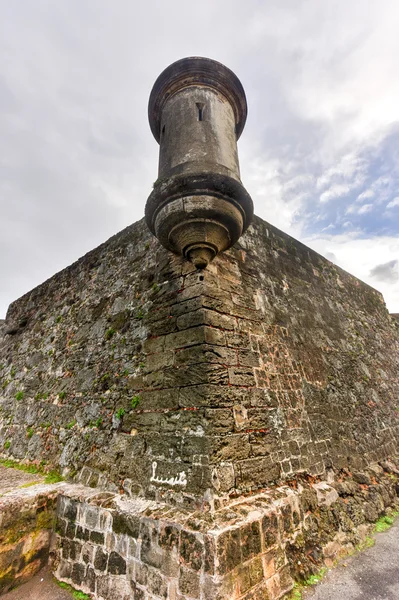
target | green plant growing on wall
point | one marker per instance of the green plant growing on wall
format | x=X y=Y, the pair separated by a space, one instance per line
x=29 y=432
x=109 y=333
x=140 y=314
x=76 y=594
x=61 y=395
x=119 y=413
x=7 y=444
x=135 y=401
x=71 y=424
x=19 y=395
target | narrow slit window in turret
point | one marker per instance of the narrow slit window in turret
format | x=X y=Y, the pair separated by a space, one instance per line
x=200 y=107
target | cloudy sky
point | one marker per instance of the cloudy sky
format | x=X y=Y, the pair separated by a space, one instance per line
x=319 y=155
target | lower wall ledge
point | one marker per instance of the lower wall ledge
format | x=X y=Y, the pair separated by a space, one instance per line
x=136 y=549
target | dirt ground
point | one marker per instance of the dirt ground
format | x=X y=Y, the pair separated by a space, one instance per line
x=12 y=479
x=40 y=587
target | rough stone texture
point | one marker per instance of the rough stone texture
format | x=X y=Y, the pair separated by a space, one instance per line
x=253 y=549
x=137 y=372
x=248 y=414
x=198 y=206
x=27 y=517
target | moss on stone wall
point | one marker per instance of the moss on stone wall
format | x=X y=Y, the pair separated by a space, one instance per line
x=270 y=364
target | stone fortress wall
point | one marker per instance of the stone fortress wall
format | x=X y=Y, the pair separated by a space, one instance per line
x=232 y=430
x=132 y=370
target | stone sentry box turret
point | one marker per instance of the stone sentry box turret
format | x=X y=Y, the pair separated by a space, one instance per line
x=198 y=207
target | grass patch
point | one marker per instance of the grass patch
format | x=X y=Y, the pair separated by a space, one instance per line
x=368 y=543
x=49 y=476
x=135 y=401
x=313 y=579
x=77 y=595
x=385 y=522
x=299 y=588
x=13 y=464
x=53 y=477
x=29 y=484
x=295 y=594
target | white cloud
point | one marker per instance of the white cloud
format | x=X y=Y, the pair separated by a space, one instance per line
x=78 y=159
x=359 y=256
x=335 y=191
x=394 y=203
x=365 y=195
x=365 y=209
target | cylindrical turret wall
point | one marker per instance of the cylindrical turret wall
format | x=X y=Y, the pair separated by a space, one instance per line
x=198 y=134
x=199 y=207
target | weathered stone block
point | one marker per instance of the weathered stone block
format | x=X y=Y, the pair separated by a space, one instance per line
x=250 y=471
x=125 y=523
x=189 y=583
x=150 y=553
x=82 y=533
x=250 y=575
x=116 y=564
x=251 y=540
x=191 y=550
x=78 y=573
x=230 y=448
x=156 y=584
x=100 y=559
x=97 y=537
x=242 y=376
x=229 y=550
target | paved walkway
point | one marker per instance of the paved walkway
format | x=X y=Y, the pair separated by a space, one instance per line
x=370 y=575
x=40 y=587
x=12 y=479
